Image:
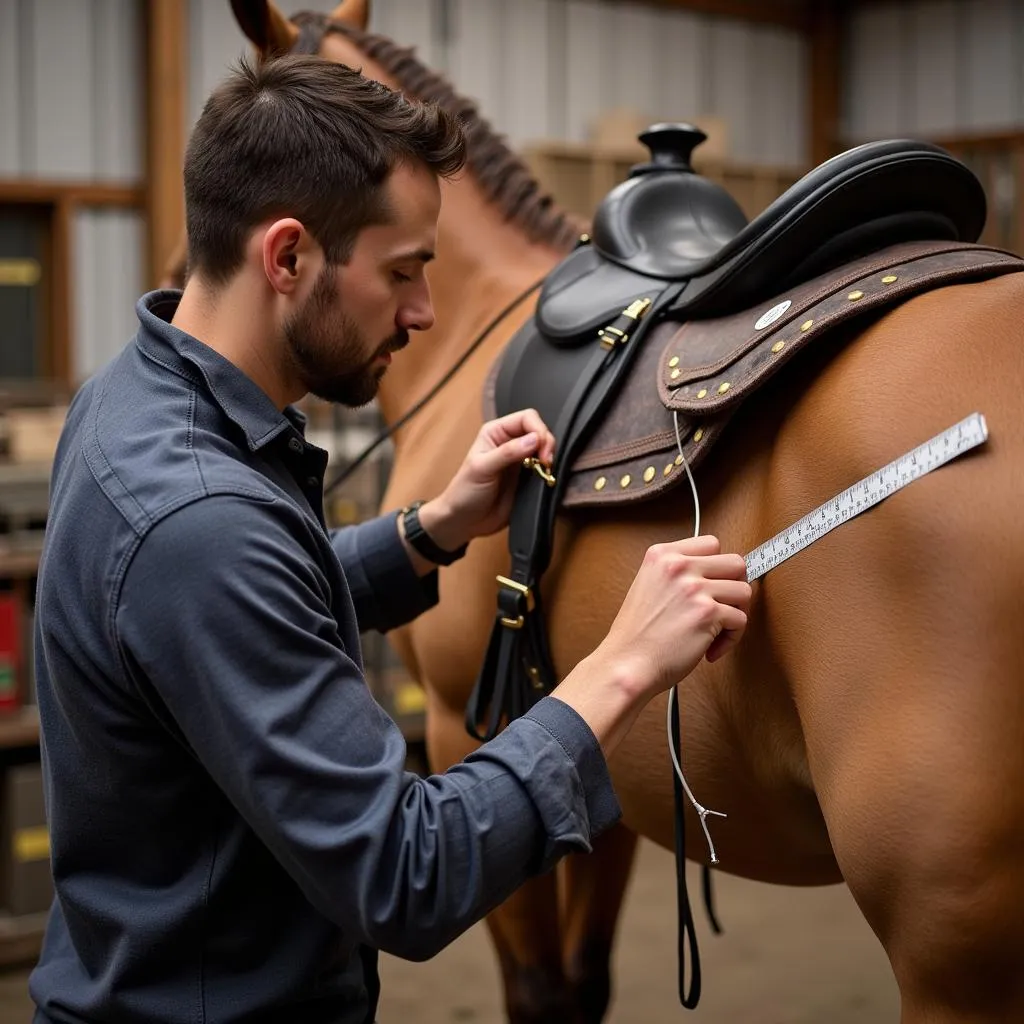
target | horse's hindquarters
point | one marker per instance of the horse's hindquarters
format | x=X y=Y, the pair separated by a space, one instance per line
x=900 y=636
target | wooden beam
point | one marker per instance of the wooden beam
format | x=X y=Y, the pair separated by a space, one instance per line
x=74 y=193
x=61 y=279
x=793 y=14
x=826 y=81
x=166 y=90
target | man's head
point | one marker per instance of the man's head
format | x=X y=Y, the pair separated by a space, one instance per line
x=321 y=186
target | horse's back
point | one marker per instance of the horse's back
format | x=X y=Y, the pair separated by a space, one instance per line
x=821 y=619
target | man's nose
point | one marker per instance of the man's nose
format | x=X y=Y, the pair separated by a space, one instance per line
x=417 y=313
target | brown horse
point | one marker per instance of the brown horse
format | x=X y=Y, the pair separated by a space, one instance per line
x=869 y=727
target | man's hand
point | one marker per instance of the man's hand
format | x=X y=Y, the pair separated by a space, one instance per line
x=688 y=602
x=478 y=500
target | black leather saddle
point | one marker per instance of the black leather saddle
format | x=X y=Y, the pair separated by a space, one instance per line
x=667 y=224
x=674 y=246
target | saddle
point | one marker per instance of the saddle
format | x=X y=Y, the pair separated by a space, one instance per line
x=674 y=312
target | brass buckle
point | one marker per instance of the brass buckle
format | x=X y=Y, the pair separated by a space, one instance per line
x=523 y=591
x=636 y=309
x=532 y=462
x=612 y=336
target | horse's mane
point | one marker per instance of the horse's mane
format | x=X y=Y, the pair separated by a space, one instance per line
x=503 y=177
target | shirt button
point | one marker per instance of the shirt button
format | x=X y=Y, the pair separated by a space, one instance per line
x=296 y=445
x=313 y=481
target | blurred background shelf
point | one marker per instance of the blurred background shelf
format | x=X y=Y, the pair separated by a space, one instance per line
x=19 y=729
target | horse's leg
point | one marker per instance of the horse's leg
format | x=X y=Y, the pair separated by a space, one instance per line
x=525 y=928
x=592 y=887
x=908 y=661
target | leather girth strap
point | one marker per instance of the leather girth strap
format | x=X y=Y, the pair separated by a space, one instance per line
x=517 y=668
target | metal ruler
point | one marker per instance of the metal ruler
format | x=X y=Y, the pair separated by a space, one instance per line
x=942 y=448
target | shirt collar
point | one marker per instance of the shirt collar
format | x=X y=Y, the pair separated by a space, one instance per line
x=242 y=400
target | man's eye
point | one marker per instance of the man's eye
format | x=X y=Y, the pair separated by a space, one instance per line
x=399 y=276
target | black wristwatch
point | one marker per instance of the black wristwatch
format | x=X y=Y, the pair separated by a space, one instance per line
x=420 y=539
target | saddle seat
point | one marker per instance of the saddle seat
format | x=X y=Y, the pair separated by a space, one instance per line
x=666 y=224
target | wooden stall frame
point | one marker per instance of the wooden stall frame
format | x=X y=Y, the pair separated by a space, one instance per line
x=62 y=200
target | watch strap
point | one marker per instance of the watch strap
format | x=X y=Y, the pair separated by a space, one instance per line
x=421 y=541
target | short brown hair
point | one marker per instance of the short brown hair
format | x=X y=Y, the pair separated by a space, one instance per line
x=300 y=136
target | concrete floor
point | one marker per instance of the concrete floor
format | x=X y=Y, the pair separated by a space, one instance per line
x=788 y=956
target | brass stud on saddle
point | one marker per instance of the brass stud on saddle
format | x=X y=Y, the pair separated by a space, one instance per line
x=698 y=435
x=723 y=387
x=599 y=483
x=703 y=393
x=678 y=461
x=624 y=482
x=778 y=347
x=674 y=361
x=668 y=469
x=806 y=325
x=889 y=279
x=675 y=373
x=649 y=474
x=855 y=295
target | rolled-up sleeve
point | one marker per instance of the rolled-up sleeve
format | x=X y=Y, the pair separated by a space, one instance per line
x=385 y=589
x=232 y=630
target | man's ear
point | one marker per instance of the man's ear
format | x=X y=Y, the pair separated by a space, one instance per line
x=289 y=255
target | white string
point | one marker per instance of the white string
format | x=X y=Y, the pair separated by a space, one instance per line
x=702 y=811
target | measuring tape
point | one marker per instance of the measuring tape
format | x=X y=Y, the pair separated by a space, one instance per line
x=942 y=448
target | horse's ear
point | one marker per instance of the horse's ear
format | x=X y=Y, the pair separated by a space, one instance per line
x=354 y=12
x=265 y=26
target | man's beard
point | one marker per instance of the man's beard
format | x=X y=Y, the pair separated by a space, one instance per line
x=329 y=350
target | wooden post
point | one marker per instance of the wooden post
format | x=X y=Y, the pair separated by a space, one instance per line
x=166 y=92
x=826 y=79
x=59 y=366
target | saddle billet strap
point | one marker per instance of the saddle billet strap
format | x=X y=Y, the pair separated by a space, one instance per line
x=687 y=938
x=517 y=669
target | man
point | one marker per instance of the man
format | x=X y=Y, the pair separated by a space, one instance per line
x=233 y=834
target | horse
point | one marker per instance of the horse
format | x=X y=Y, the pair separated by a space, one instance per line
x=867 y=730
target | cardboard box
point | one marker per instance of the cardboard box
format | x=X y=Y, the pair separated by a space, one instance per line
x=32 y=434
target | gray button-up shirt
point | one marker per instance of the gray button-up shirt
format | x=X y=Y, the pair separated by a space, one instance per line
x=232 y=830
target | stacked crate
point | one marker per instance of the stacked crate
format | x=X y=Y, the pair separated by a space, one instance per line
x=30 y=425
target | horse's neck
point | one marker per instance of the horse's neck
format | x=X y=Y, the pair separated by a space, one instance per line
x=483 y=263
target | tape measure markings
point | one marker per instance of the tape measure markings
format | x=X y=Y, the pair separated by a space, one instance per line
x=943 y=448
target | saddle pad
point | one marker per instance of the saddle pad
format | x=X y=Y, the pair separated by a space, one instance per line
x=704 y=369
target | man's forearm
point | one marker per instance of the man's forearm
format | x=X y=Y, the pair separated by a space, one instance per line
x=607 y=694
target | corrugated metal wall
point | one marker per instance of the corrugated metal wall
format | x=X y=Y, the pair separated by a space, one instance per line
x=70 y=110
x=934 y=68
x=109 y=257
x=70 y=73
x=543 y=69
x=70 y=90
